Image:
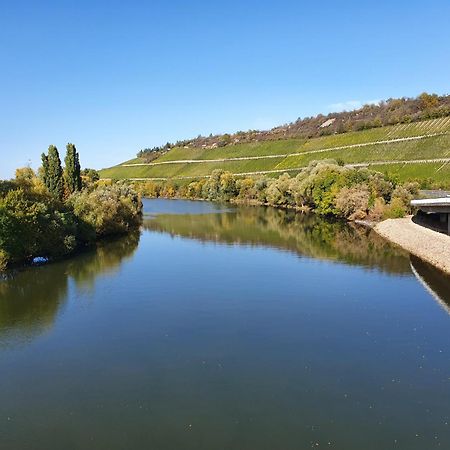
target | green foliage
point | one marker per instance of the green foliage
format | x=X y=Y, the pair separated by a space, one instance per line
x=35 y=225
x=246 y=188
x=431 y=147
x=403 y=194
x=395 y=210
x=324 y=187
x=72 y=171
x=52 y=173
x=33 y=222
x=91 y=174
x=106 y=210
x=428 y=101
x=278 y=191
x=353 y=202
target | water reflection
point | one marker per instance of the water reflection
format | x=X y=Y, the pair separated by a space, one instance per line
x=307 y=235
x=433 y=280
x=31 y=299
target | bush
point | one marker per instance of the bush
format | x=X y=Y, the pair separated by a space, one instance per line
x=34 y=225
x=278 y=192
x=261 y=189
x=246 y=188
x=151 y=189
x=378 y=209
x=107 y=210
x=403 y=194
x=220 y=185
x=395 y=210
x=353 y=202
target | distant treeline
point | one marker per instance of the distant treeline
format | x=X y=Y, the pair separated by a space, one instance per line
x=389 y=112
x=324 y=187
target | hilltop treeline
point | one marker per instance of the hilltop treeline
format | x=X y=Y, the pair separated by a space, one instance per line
x=389 y=112
x=324 y=187
x=57 y=212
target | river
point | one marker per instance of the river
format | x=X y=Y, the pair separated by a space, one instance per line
x=221 y=327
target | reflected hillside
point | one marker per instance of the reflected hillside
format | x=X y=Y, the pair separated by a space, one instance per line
x=30 y=300
x=433 y=280
x=307 y=235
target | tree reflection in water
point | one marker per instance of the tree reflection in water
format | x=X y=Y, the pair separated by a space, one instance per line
x=306 y=235
x=30 y=299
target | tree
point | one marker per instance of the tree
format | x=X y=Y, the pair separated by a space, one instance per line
x=52 y=173
x=91 y=174
x=43 y=171
x=72 y=173
x=428 y=101
x=25 y=177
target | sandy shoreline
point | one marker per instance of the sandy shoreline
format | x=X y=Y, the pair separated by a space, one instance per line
x=426 y=244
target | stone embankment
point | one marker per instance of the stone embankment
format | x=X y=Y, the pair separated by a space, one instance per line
x=431 y=246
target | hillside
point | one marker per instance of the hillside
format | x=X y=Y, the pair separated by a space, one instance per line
x=393 y=111
x=418 y=150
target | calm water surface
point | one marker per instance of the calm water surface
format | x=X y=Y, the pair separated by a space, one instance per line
x=227 y=328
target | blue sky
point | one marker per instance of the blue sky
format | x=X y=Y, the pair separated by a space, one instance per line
x=115 y=76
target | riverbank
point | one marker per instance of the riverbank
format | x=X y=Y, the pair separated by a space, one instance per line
x=422 y=242
x=37 y=226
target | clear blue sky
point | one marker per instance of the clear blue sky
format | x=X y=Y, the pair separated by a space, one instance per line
x=116 y=76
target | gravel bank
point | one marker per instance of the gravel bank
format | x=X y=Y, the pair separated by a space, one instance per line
x=426 y=244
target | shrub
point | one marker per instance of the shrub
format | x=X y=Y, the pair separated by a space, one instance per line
x=380 y=186
x=221 y=185
x=353 y=202
x=151 y=189
x=246 y=188
x=34 y=225
x=324 y=189
x=378 y=209
x=261 y=189
x=278 y=191
x=228 y=188
x=404 y=194
x=169 y=190
x=395 y=209
x=107 y=210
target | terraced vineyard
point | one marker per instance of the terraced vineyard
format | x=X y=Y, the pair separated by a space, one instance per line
x=390 y=149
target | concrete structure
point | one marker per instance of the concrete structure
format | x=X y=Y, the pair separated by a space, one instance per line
x=437 y=209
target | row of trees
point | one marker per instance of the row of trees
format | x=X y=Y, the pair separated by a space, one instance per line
x=324 y=187
x=59 y=182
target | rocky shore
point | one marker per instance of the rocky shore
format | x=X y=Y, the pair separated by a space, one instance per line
x=431 y=246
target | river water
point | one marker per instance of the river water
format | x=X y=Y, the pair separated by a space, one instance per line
x=220 y=327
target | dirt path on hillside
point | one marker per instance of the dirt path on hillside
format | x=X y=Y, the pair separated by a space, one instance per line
x=283 y=155
x=297 y=169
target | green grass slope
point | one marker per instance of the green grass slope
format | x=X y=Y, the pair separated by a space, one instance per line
x=388 y=149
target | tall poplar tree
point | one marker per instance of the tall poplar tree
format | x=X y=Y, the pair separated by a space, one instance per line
x=52 y=175
x=44 y=171
x=72 y=171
